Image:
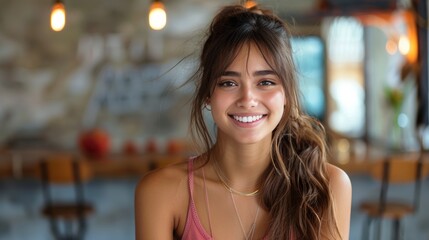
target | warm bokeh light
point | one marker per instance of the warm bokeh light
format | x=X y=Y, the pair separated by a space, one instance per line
x=391 y=47
x=343 y=151
x=249 y=4
x=409 y=43
x=157 y=16
x=404 y=45
x=58 y=17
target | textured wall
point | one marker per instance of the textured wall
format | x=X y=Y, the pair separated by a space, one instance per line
x=105 y=69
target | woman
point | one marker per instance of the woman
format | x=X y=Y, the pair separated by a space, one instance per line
x=265 y=175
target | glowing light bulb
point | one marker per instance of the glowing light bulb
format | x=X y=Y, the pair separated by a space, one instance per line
x=58 y=16
x=157 y=16
x=404 y=45
x=249 y=4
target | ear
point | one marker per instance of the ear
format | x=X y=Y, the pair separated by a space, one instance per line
x=207 y=102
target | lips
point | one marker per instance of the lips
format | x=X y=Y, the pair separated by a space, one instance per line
x=247 y=119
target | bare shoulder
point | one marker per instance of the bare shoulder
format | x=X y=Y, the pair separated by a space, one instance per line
x=341 y=190
x=338 y=179
x=162 y=185
x=160 y=196
x=165 y=178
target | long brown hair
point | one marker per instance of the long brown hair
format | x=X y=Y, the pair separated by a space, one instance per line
x=295 y=187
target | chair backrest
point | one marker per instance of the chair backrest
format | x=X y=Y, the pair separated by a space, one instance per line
x=64 y=169
x=396 y=170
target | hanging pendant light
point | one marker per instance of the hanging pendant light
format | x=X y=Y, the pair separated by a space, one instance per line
x=58 y=16
x=249 y=4
x=157 y=15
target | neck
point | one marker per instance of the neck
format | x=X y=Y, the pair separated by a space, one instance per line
x=242 y=164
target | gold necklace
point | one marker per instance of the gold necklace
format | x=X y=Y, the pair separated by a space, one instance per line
x=220 y=175
x=251 y=232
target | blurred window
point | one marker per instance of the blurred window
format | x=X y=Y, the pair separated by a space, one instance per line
x=309 y=56
x=345 y=76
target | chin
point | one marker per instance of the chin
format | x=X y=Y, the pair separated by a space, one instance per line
x=252 y=139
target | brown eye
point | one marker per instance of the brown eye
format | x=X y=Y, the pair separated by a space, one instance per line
x=226 y=84
x=266 y=83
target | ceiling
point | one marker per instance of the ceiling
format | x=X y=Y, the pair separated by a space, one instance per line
x=186 y=16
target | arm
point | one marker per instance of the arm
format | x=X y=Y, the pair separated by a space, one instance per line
x=341 y=190
x=154 y=218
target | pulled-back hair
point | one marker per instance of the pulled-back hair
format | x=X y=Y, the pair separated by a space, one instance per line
x=295 y=187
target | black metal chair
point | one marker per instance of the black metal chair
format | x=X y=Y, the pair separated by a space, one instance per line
x=392 y=171
x=67 y=217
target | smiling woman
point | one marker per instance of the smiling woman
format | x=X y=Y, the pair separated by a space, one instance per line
x=265 y=174
x=248 y=99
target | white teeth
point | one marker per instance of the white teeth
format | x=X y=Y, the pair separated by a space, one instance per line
x=247 y=119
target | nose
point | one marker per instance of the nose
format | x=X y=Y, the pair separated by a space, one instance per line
x=247 y=98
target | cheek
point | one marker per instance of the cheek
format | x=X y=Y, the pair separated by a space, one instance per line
x=219 y=103
x=218 y=100
x=277 y=100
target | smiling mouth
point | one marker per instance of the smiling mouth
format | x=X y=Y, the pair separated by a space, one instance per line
x=248 y=119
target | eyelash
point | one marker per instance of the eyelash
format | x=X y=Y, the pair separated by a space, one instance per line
x=226 y=83
x=266 y=83
x=229 y=83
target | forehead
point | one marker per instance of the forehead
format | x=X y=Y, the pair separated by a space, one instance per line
x=250 y=55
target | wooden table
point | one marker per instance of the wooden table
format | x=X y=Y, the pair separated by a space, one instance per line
x=20 y=163
x=362 y=164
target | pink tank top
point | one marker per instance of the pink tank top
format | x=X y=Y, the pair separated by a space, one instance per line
x=193 y=228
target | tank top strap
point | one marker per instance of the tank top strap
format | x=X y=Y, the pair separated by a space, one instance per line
x=193 y=227
x=191 y=178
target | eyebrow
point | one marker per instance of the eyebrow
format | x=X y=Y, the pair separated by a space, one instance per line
x=257 y=73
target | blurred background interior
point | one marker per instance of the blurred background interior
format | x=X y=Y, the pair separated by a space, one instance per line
x=109 y=90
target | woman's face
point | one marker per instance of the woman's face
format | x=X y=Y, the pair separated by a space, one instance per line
x=248 y=99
